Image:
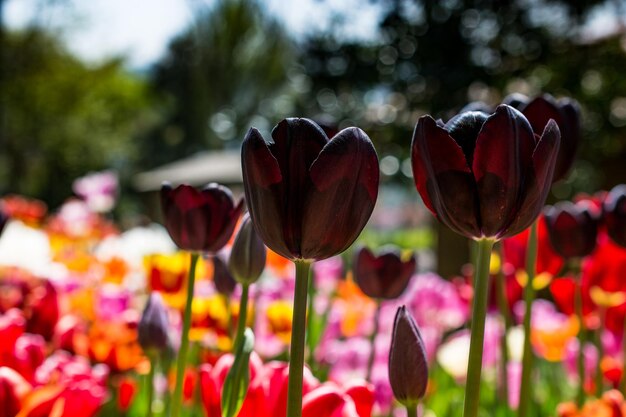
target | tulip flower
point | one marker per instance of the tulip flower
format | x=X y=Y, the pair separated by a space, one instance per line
x=199 y=220
x=309 y=198
x=614 y=212
x=13 y=389
x=572 y=228
x=565 y=112
x=384 y=276
x=408 y=367
x=484 y=176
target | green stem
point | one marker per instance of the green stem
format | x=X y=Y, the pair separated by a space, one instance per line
x=370 y=361
x=177 y=400
x=580 y=393
x=503 y=306
x=411 y=410
x=479 y=313
x=525 y=398
x=153 y=364
x=298 y=334
x=310 y=327
x=243 y=315
x=600 y=347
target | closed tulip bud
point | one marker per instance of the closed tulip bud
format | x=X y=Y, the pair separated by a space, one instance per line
x=199 y=220
x=309 y=197
x=614 y=211
x=383 y=276
x=484 y=176
x=572 y=228
x=565 y=112
x=222 y=278
x=153 y=326
x=247 y=257
x=408 y=367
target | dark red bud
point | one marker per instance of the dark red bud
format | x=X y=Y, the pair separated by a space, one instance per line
x=572 y=228
x=222 y=278
x=199 y=220
x=247 y=257
x=153 y=328
x=408 y=367
x=384 y=276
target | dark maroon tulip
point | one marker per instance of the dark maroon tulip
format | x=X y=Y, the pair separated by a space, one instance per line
x=408 y=367
x=572 y=228
x=565 y=112
x=309 y=197
x=484 y=176
x=614 y=210
x=153 y=326
x=383 y=276
x=199 y=220
x=222 y=278
x=247 y=257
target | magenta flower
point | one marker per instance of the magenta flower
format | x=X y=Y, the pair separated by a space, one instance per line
x=98 y=190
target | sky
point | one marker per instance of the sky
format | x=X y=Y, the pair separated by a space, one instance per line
x=141 y=29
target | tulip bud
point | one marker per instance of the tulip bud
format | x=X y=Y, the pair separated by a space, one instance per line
x=199 y=220
x=247 y=257
x=408 y=368
x=384 y=276
x=222 y=279
x=153 y=326
x=614 y=210
x=572 y=228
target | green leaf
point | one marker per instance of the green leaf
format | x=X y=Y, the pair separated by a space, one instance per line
x=238 y=378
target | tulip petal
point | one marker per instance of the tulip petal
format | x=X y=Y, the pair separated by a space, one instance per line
x=538 y=180
x=263 y=189
x=502 y=156
x=344 y=189
x=443 y=178
x=223 y=216
x=540 y=110
x=362 y=395
x=324 y=401
x=570 y=137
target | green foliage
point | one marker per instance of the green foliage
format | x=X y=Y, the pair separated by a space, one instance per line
x=238 y=378
x=219 y=77
x=63 y=118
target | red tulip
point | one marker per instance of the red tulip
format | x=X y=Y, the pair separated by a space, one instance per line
x=565 y=112
x=199 y=220
x=13 y=389
x=309 y=197
x=614 y=211
x=383 y=276
x=30 y=352
x=572 y=228
x=43 y=310
x=329 y=400
x=126 y=393
x=484 y=176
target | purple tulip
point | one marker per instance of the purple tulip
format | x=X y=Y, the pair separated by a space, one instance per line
x=383 y=276
x=484 y=176
x=199 y=220
x=154 y=324
x=222 y=279
x=565 y=112
x=572 y=228
x=309 y=197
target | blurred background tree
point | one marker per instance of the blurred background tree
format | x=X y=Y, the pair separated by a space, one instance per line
x=226 y=72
